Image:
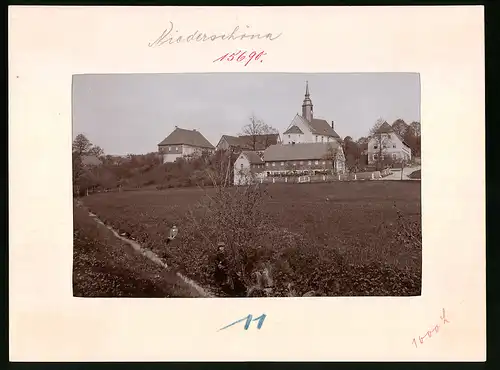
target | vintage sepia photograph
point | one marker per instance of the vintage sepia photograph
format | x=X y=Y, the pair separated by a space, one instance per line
x=213 y=185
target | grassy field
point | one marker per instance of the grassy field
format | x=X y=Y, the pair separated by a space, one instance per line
x=341 y=239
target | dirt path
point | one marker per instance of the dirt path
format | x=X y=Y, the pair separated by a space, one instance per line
x=151 y=256
x=396 y=175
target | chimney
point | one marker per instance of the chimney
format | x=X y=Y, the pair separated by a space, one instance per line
x=176 y=127
x=333 y=125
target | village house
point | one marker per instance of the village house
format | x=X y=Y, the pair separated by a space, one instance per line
x=304 y=159
x=386 y=145
x=257 y=143
x=247 y=168
x=182 y=143
x=90 y=161
x=307 y=129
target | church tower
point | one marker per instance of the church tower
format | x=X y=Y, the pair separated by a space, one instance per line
x=307 y=105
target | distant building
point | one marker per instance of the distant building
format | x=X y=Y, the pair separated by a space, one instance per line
x=91 y=161
x=181 y=143
x=304 y=158
x=386 y=145
x=307 y=129
x=247 y=168
x=257 y=143
x=228 y=142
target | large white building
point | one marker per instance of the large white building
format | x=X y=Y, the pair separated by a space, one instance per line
x=385 y=145
x=181 y=143
x=307 y=129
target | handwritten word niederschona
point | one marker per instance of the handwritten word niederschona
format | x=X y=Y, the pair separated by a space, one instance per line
x=241 y=56
x=248 y=320
x=170 y=36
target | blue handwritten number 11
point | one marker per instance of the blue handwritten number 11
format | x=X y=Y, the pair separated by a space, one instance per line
x=248 y=319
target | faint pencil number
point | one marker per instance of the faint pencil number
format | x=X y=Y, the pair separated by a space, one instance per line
x=432 y=331
x=248 y=320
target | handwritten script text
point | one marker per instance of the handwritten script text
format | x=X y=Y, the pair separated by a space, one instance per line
x=170 y=36
x=434 y=330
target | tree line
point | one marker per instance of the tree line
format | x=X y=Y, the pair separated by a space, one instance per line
x=139 y=170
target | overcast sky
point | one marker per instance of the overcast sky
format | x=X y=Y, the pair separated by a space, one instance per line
x=132 y=113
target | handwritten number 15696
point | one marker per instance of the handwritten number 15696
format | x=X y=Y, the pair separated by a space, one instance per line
x=241 y=56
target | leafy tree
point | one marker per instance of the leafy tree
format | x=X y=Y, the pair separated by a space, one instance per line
x=400 y=127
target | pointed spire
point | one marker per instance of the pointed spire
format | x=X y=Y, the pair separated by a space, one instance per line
x=307 y=105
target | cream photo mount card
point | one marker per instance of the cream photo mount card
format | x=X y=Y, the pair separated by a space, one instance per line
x=108 y=244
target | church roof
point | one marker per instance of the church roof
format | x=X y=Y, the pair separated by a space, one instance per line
x=300 y=151
x=253 y=157
x=320 y=127
x=293 y=130
x=188 y=137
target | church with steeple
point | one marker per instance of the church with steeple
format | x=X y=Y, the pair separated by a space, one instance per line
x=306 y=128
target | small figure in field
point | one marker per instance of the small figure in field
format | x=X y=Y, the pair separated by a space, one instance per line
x=172 y=234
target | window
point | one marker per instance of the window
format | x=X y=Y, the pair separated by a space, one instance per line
x=176 y=148
x=324 y=163
x=381 y=157
x=375 y=156
x=241 y=165
x=267 y=164
x=316 y=138
x=310 y=162
x=301 y=162
x=394 y=155
x=169 y=148
x=274 y=164
x=384 y=146
x=316 y=162
x=289 y=136
x=394 y=145
x=282 y=163
x=389 y=136
x=375 y=146
x=322 y=138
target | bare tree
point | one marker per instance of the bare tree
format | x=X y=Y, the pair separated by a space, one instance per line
x=380 y=141
x=258 y=132
x=334 y=155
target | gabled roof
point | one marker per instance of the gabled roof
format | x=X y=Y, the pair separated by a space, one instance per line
x=300 y=151
x=91 y=160
x=320 y=127
x=385 y=128
x=293 y=130
x=261 y=141
x=188 y=137
x=253 y=157
x=230 y=140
